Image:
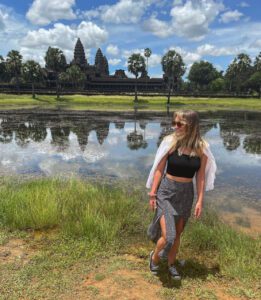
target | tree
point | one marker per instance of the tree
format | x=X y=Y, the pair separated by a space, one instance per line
x=32 y=72
x=173 y=68
x=202 y=73
x=254 y=82
x=3 y=71
x=147 y=54
x=136 y=65
x=257 y=63
x=14 y=65
x=238 y=72
x=217 y=85
x=56 y=62
x=73 y=75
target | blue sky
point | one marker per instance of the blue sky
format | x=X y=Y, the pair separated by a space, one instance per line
x=213 y=30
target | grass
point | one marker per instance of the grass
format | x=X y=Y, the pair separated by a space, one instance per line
x=93 y=227
x=101 y=102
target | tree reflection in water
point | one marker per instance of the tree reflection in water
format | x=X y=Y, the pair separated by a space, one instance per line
x=6 y=132
x=23 y=128
x=252 y=144
x=60 y=137
x=135 y=139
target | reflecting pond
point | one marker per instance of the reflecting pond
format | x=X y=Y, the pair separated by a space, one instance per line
x=123 y=145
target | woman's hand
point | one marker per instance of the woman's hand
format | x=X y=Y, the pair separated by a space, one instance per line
x=198 y=210
x=153 y=203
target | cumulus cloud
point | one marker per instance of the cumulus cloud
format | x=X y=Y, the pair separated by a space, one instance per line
x=159 y=28
x=230 y=16
x=190 y=19
x=112 y=50
x=114 y=61
x=3 y=17
x=124 y=11
x=244 y=4
x=208 y=49
x=43 y=12
x=187 y=56
x=64 y=37
x=154 y=60
x=256 y=44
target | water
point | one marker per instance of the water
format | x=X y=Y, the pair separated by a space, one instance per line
x=123 y=145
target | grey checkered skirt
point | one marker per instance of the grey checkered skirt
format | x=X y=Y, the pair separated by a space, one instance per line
x=174 y=200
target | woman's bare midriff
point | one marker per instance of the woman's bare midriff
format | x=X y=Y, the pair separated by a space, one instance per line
x=179 y=179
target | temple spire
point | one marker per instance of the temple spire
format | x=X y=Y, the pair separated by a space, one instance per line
x=79 y=55
x=101 y=63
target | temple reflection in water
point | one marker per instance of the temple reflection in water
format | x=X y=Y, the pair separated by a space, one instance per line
x=235 y=128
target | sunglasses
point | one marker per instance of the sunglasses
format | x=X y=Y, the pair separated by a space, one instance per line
x=178 y=124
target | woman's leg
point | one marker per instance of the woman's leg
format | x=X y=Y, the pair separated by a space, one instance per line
x=161 y=241
x=174 y=249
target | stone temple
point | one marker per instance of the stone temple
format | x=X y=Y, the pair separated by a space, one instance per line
x=98 y=77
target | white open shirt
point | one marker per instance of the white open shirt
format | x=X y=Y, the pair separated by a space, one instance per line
x=210 y=171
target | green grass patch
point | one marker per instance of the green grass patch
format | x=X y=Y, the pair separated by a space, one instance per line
x=236 y=254
x=77 y=208
x=102 y=102
x=94 y=223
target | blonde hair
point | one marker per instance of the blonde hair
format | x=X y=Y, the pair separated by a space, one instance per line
x=191 y=138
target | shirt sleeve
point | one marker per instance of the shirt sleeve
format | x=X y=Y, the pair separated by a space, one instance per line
x=162 y=150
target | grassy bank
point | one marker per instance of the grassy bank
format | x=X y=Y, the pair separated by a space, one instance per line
x=82 y=240
x=125 y=102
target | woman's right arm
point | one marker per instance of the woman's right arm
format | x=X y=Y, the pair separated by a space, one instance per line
x=156 y=180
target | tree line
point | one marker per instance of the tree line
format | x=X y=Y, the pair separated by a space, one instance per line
x=242 y=75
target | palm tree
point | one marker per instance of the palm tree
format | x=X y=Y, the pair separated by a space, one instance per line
x=2 y=68
x=136 y=65
x=75 y=76
x=147 y=54
x=239 y=71
x=173 y=68
x=56 y=62
x=14 y=65
x=32 y=72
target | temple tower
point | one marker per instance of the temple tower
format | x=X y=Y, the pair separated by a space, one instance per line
x=101 y=63
x=79 y=55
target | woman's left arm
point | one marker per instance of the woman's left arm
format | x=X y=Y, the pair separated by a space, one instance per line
x=200 y=179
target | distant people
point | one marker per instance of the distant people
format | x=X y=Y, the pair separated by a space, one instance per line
x=181 y=156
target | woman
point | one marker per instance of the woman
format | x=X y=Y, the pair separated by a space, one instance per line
x=182 y=156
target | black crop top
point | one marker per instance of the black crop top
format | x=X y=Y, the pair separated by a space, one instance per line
x=182 y=165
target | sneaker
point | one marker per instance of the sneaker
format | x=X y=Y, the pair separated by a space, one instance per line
x=174 y=273
x=153 y=268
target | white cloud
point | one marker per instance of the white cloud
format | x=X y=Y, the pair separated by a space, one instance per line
x=208 y=49
x=154 y=60
x=177 y=2
x=230 y=16
x=124 y=11
x=3 y=17
x=112 y=50
x=63 y=36
x=244 y=4
x=43 y=12
x=187 y=56
x=114 y=61
x=159 y=28
x=256 y=44
x=190 y=20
